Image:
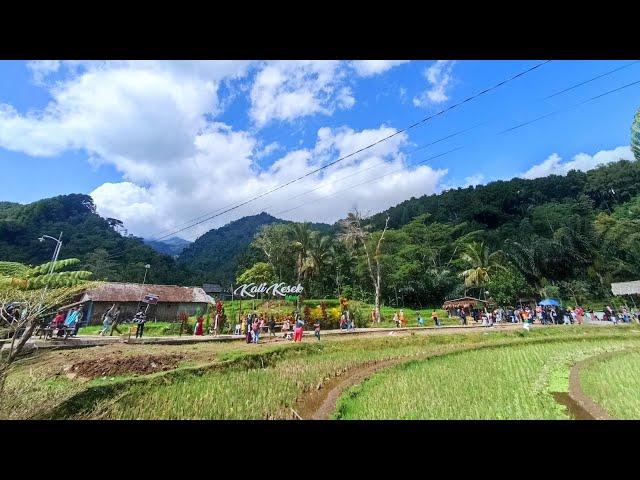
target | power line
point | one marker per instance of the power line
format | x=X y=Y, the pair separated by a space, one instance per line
x=569 y=108
x=398 y=132
x=591 y=80
x=451 y=151
x=459 y=148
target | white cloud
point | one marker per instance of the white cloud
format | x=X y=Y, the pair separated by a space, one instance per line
x=554 y=165
x=199 y=185
x=473 y=180
x=268 y=150
x=42 y=68
x=155 y=122
x=439 y=77
x=369 y=68
x=286 y=90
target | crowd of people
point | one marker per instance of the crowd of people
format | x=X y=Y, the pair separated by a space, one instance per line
x=292 y=327
x=401 y=321
x=544 y=315
x=68 y=322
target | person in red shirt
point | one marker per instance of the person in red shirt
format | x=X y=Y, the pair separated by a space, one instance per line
x=199 y=326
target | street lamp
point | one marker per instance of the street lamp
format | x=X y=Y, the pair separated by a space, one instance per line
x=146 y=269
x=54 y=259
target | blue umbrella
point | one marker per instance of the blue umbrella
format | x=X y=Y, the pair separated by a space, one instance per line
x=549 y=302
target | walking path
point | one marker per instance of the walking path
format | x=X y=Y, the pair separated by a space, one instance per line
x=96 y=340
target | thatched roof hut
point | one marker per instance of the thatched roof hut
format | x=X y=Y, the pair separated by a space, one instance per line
x=464 y=302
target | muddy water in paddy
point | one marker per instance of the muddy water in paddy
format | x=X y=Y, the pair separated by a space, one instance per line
x=574 y=409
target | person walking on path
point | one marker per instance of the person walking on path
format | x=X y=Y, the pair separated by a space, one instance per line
x=71 y=318
x=316 y=328
x=350 y=321
x=248 y=327
x=272 y=327
x=396 y=319
x=402 y=319
x=115 y=321
x=199 y=328
x=299 y=330
x=78 y=321
x=140 y=319
x=256 y=330
x=420 y=321
x=434 y=316
x=285 y=328
x=106 y=322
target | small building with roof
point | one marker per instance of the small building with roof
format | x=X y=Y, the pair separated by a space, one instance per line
x=171 y=300
x=216 y=291
x=464 y=303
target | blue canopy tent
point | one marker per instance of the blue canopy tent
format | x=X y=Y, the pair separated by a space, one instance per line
x=549 y=302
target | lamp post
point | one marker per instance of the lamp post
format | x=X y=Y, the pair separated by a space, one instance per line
x=146 y=269
x=56 y=252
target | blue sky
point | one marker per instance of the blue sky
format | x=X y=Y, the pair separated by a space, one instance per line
x=159 y=143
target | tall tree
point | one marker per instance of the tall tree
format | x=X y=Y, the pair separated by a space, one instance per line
x=482 y=263
x=354 y=233
x=301 y=244
x=33 y=292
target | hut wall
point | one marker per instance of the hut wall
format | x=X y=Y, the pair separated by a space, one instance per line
x=161 y=312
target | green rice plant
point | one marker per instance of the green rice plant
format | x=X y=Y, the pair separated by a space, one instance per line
x=268 y=389
x=614 y=383
x=509 y=382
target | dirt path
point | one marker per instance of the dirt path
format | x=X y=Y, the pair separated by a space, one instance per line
x=320 y=403
x=576 y=393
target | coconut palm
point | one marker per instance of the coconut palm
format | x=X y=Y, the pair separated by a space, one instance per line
x=301 y=243
x=482 y=264
x=318 y=258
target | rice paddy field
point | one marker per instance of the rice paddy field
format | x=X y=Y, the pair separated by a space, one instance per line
x=475 y=374
x=614 y=383
x=508 y=382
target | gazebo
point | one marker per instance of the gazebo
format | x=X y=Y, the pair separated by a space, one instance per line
x=464 y=303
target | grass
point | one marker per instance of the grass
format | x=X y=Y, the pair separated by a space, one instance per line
x=510 y=382
x=261 y=386
x=229 y=380
x=614 y=384
x=151 y=329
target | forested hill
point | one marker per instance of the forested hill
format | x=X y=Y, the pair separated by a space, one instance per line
x=501 y=203
x=86 y=236
x=172 y=246
x=219 y=254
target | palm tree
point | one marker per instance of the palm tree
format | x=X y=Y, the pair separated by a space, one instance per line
x=301 y=243
x=318 y=255
x=482 y=264
x=353 y=233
